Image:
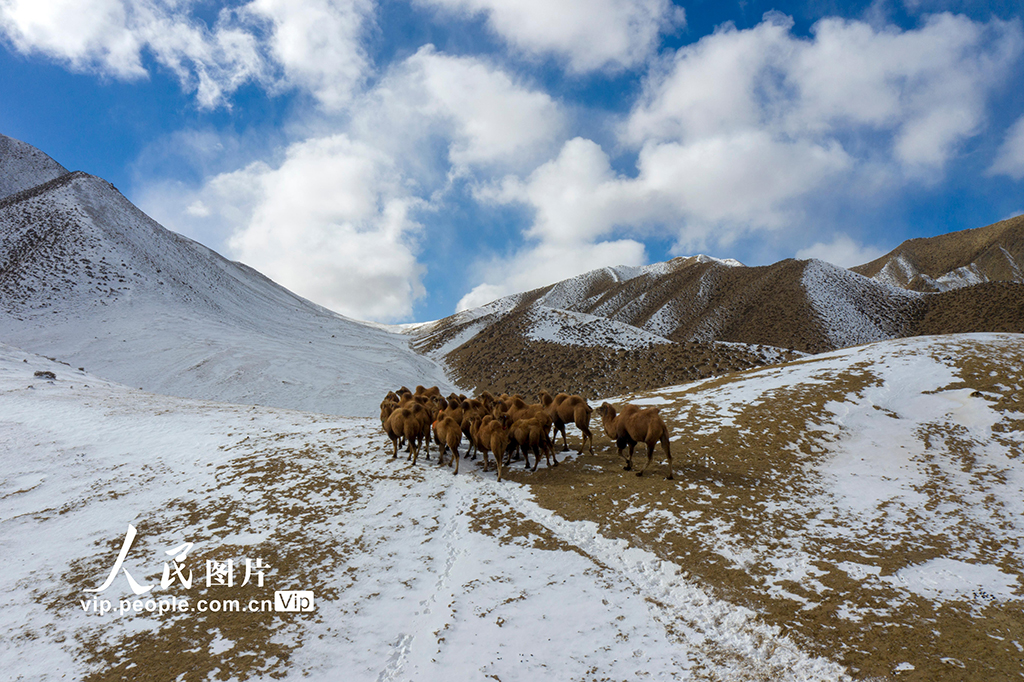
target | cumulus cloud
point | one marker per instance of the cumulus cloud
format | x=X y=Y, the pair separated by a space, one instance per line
x=332 y=218
x=313 y=44
x=1010 y=157
x=482 y=115
x=317 y=43
x=589 y=35
x=332 y=222
x=841 y=251
x=923 y=90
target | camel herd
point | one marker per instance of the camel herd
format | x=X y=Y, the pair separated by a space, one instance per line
x=509 y=428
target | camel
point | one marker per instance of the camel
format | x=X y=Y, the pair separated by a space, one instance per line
x=492 y=436
x=634 y=425
x=530 y=434
x=563 y=409
x=448 y=434
x=404 y=424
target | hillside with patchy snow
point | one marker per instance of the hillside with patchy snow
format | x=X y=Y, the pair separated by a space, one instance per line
x=88 y=279
x=856 y=515
x=630 y=328
x=955 y=260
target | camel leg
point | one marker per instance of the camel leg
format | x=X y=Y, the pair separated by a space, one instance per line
x=628 y=459
x=650 y=457
x=455 y=458
x=585 y=436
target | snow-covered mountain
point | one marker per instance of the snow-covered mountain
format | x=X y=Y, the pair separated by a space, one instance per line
x=626 y=328
x=89 y=279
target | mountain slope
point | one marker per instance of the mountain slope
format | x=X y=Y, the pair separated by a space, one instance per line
x=22 y=167
x=88 y=278
x=869 y=501
x=625 y=328
x=617 y=329
x=954 y=260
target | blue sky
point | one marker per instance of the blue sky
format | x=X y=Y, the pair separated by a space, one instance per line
x=395 y=160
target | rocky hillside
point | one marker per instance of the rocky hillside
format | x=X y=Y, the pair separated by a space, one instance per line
x=955 y=260
x=617 y=329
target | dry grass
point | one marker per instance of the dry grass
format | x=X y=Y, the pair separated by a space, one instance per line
x=747 y=501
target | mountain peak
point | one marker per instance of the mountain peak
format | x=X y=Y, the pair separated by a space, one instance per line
x=22 y=167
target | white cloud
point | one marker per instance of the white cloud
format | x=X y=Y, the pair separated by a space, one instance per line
x=739 y=132
x=1010 y=157
x=331 y=217
x=84 y=34
x=576 y=196
x=924 y=90
x=317 y=43
x=841 y=251
x=483 y=116
x=313 y=44
x=589 y=34
x=331 y=222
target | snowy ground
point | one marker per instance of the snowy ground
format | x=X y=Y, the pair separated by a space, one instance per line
x=416 y=574
x=856 y=519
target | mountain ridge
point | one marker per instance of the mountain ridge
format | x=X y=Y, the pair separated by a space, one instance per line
x=704 y=316
x=23 y=166
x=955 y=259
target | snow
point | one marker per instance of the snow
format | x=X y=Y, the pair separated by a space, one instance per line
x=961 y=277
x=22 y=167
x=416 y=574
x=841 y=307
x=947 y=579
x=581 y=329
x=908 y=453
x=897 y=272
x=114 y=292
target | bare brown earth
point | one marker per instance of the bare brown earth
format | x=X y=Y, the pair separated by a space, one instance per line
x=514 y=364
x=990 y=307
x=993 y=249
x=751 y=481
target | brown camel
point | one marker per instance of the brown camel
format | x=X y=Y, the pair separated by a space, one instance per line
x=564 y=409
x=634 y=425
x=404 y=424
x=530 y=434
x=492 y=436
x=448 y=434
